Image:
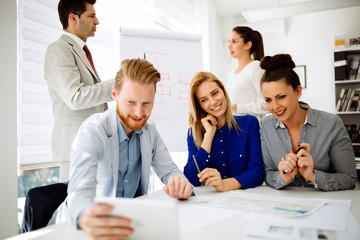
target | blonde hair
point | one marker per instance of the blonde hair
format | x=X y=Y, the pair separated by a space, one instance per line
x=196 y=113
x=136 y=70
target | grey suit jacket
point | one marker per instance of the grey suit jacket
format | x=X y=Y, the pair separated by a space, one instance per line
x=76 y=92
x=95 y=162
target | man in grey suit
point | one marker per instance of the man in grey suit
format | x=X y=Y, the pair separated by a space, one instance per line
x=74 y=85
x=112 y=154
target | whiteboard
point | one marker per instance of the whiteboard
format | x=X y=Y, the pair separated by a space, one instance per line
x=177 y=56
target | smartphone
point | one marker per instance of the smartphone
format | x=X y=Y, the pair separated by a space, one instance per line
x=299 y=149
x=286 y=171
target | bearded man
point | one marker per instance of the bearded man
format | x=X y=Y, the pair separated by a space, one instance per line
x=112 y=154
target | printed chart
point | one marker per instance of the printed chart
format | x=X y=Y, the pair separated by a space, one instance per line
x=284 y=207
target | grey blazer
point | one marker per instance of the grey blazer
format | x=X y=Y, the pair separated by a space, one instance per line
x=76 y=92
x=95 y=162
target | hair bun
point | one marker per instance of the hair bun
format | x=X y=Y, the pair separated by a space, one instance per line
x=277 y=61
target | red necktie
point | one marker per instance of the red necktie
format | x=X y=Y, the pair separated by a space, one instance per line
x=88 y=55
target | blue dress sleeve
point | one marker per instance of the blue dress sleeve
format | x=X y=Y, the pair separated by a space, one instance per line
x=202 y=158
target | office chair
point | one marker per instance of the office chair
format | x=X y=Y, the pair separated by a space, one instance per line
x=41 y=203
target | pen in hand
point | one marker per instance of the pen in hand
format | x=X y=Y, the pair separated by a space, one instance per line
x=197 y=166
x=286 y=171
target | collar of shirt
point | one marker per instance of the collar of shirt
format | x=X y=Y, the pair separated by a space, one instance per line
x=226 y=130
x=79 y=42
x=310 y=118
x=122 y=134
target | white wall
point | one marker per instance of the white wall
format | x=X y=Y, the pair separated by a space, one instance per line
x=309 y=39
x=210 y=27
x=8 y=172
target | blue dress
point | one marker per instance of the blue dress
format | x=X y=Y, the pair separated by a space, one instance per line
x=233 y=153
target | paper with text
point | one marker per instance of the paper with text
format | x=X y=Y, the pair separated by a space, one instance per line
x=282 y=207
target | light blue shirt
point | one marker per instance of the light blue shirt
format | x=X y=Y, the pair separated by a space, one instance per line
x=129 y=163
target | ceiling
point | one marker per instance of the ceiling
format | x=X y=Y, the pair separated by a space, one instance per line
x=260 y=10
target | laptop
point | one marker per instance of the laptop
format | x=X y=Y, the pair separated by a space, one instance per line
x=150 y=219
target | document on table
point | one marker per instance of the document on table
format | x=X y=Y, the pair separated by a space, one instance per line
x=281 y=207
x=333 y=216
x=328 y=221
x=193 y=216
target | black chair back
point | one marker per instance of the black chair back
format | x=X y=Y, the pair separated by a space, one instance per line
x=40 y=204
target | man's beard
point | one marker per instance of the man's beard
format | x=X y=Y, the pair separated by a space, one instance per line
x=129 y=123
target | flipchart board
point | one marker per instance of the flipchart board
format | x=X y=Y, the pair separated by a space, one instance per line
x=177 y=56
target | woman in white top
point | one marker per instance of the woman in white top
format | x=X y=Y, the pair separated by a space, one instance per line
x=243 y=85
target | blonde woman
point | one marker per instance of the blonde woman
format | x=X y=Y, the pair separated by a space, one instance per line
x=225 y=148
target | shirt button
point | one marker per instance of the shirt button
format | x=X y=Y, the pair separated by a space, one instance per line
x=208 y=156
x=224 y=176
x=207 y=160
x=221 y=140
x=222 y=152
x=240 y=155
x=224 y=164
x=126 y=181
x=220 y=130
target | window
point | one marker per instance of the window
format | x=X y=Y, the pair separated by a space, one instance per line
x=38 y=26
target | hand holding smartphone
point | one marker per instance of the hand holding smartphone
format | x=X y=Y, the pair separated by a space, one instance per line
x=286 y=171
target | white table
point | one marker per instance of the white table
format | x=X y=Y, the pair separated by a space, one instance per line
x=232 y=228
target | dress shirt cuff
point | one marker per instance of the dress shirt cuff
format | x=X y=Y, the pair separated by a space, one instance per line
x=78 y=220
x=203 y=158
x=282 y=182
x=313 y=182
x=320 y=180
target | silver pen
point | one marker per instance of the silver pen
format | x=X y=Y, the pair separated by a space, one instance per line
x=197 y=166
